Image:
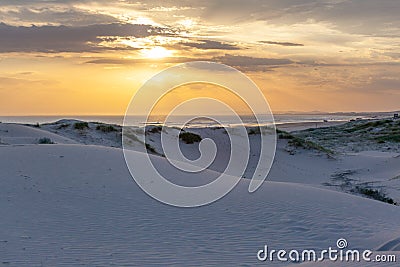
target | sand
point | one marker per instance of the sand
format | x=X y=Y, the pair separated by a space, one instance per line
x=74 y=203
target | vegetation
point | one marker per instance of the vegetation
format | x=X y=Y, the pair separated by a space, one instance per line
x=189 y=138
x=299 y=142
x=155 y=129
x=45 y=141
x=374 y=194
x=254 y=131
x=395 y=138
x=150 y=148
x=367 y=125
x=106 y=128
x=359 y=135
x=81 y=125
x=284 y=135
x=62 y=126
x=344 y=181
x=132 y=137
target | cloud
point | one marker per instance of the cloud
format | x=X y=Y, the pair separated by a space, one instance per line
x=210 y=44
x=45 y=14
x=281 y=43
x=383 y=85
x=369 y=17
x=251 y=63
x=244 y=63
x=121 y=61
x=66 y=38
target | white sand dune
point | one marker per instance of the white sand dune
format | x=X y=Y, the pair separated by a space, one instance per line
x=77 y=205
x=311 y=167
x=87 y=136
x=21 y=134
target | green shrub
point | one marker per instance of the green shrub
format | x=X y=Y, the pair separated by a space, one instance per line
x=189 y=138
x=81 y=125
x=62 y=126
x=284 y=135
x=375 y=194
x=367 y=125
x=155 y=129
x=254 y=131
x=106 y=128
x=45 y=141
x=389 y=138
x=150 y=148
x=301 y=143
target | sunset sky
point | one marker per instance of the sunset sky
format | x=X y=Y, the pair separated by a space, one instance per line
x=89 y=57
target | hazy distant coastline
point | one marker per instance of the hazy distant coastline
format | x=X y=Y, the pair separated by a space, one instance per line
x=280 y=118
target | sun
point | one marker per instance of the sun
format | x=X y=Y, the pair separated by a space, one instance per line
x=156 y=52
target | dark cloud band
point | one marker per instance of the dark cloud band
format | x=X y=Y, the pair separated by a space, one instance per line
x=68 y=39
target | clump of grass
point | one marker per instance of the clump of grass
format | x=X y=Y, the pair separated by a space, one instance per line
x=394 y=178
x=254 y=131
x=81 y=125
x=284 y=134
x=365 y=126
x=189 y=138
x=217 y=127
x=306 y=144
x=395 y=138
x=106 y=128
x=132 y=137
x=375 y=194
x=298 y=142
x=344 y=181
x=150 y=148
x=45 y=141
x=155 y=129
x=62 y=126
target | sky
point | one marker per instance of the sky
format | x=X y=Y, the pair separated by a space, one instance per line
x=90 y=57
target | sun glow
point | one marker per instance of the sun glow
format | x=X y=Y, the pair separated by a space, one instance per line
x=156 y=52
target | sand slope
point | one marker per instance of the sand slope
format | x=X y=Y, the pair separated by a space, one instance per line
x=74 y=205
x=20 y=134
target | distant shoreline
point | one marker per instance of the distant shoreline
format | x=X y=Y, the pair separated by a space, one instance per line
x=281 y=120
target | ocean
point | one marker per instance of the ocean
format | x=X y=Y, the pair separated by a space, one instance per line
x=199 y=122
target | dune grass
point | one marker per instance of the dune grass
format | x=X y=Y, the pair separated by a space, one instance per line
x=299 y=142
x=45 y=141
x=106 y=128
x=355 y=136
x=189 y=138
x=374 y=194
x=150 y=148
x=81 y=125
